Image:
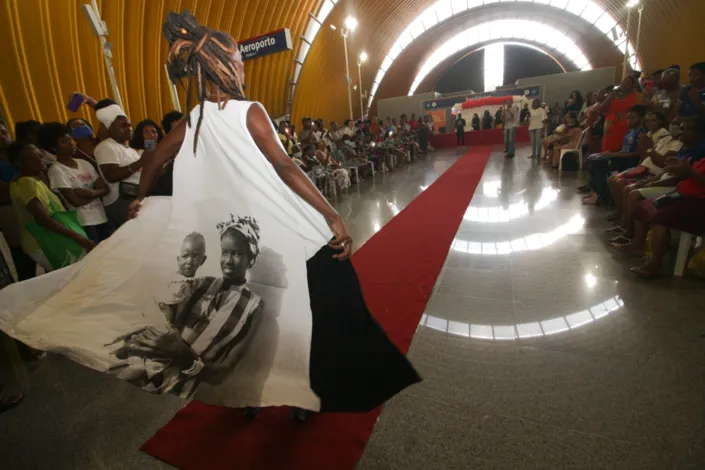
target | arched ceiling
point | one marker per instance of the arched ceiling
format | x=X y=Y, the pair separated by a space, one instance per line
x=598 y=49
x=670 y=33
x=51 y=50
x=431 y=80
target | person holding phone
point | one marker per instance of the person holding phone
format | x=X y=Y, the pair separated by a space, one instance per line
x=145 y=138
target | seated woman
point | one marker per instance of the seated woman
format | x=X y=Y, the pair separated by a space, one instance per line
x=568 y=140
x=548 y=142
x=334 y=169
x=392 y=146
x=656 y=142
x=76 y=181
x=692 y=147
x=35 y=205
x=682 y=209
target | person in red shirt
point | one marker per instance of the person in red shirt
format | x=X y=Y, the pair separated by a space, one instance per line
x=374 y=126
x=683 y=209
x=413 y=122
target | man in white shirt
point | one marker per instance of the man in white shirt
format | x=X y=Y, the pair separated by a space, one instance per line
x=119 y=164
x=510 y=114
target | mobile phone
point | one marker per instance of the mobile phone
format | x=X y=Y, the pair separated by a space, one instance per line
x=75 y=102
x=150 y=145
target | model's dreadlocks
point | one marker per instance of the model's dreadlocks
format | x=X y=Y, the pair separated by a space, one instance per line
x=201 y=55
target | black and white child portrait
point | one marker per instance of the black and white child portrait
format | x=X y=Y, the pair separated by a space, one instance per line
x=210 y=320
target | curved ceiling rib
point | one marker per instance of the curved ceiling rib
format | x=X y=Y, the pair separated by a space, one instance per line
x=312 y=28
x=503 y=29
x=443 y=10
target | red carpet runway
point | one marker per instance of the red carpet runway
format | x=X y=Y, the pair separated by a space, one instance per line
x=398 y=268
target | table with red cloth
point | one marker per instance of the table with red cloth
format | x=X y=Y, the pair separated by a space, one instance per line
x=488 y=137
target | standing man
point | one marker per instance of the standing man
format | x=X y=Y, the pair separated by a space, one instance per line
x=511 y=117
x=460 y=133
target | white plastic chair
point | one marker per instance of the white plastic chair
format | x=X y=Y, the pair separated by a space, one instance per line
x=578 y=149
x=683 y=250
x=357 y=173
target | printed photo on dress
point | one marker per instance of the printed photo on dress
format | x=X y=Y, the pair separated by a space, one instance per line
x=210 y=320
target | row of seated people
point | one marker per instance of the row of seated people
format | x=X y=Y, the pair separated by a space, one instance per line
x=363 y=147
x=652 y=163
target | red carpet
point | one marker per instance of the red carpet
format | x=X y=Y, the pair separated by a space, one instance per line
x=398 y=268
x=476 y=138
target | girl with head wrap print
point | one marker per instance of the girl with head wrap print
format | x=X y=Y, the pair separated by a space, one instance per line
x=211 y=327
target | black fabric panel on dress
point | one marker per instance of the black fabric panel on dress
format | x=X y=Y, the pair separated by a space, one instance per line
x=354 y=367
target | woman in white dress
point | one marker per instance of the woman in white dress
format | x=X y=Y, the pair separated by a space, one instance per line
x=291 y=329
x=348 y=371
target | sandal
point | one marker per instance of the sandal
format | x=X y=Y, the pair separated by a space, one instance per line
x=621 y=240
x=592 y=200
x=645 y=273
x=628 y=248
x=11 y=402
x=615 y=229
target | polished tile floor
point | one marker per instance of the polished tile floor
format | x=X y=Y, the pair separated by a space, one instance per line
x=538 y=348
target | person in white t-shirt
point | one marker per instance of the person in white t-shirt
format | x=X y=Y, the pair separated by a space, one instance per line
x=537 y=121
x=348 y=129
x=510 y=115
x=119 y=164
x=76 y=181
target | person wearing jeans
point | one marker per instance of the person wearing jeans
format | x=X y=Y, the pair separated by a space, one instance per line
x=537 y=120
x=510 y=115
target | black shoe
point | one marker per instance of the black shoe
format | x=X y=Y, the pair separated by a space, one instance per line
x=299 y=415
x=251 y=412
x=584 y=188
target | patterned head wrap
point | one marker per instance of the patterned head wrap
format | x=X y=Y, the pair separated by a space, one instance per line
x=249 y=228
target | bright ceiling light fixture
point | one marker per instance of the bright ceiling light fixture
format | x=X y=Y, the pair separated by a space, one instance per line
x=351 y=23
x=363 y=57
x=588 y=10
x=632 y=3
x=502 y=29
x=494 y=66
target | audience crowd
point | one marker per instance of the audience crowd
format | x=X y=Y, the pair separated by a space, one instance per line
x=645 y=142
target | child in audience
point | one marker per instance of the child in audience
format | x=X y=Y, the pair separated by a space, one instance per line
x=76 y=181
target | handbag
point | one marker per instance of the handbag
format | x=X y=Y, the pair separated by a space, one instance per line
x=666 y=200
x=59 y=249
x=128 y=190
